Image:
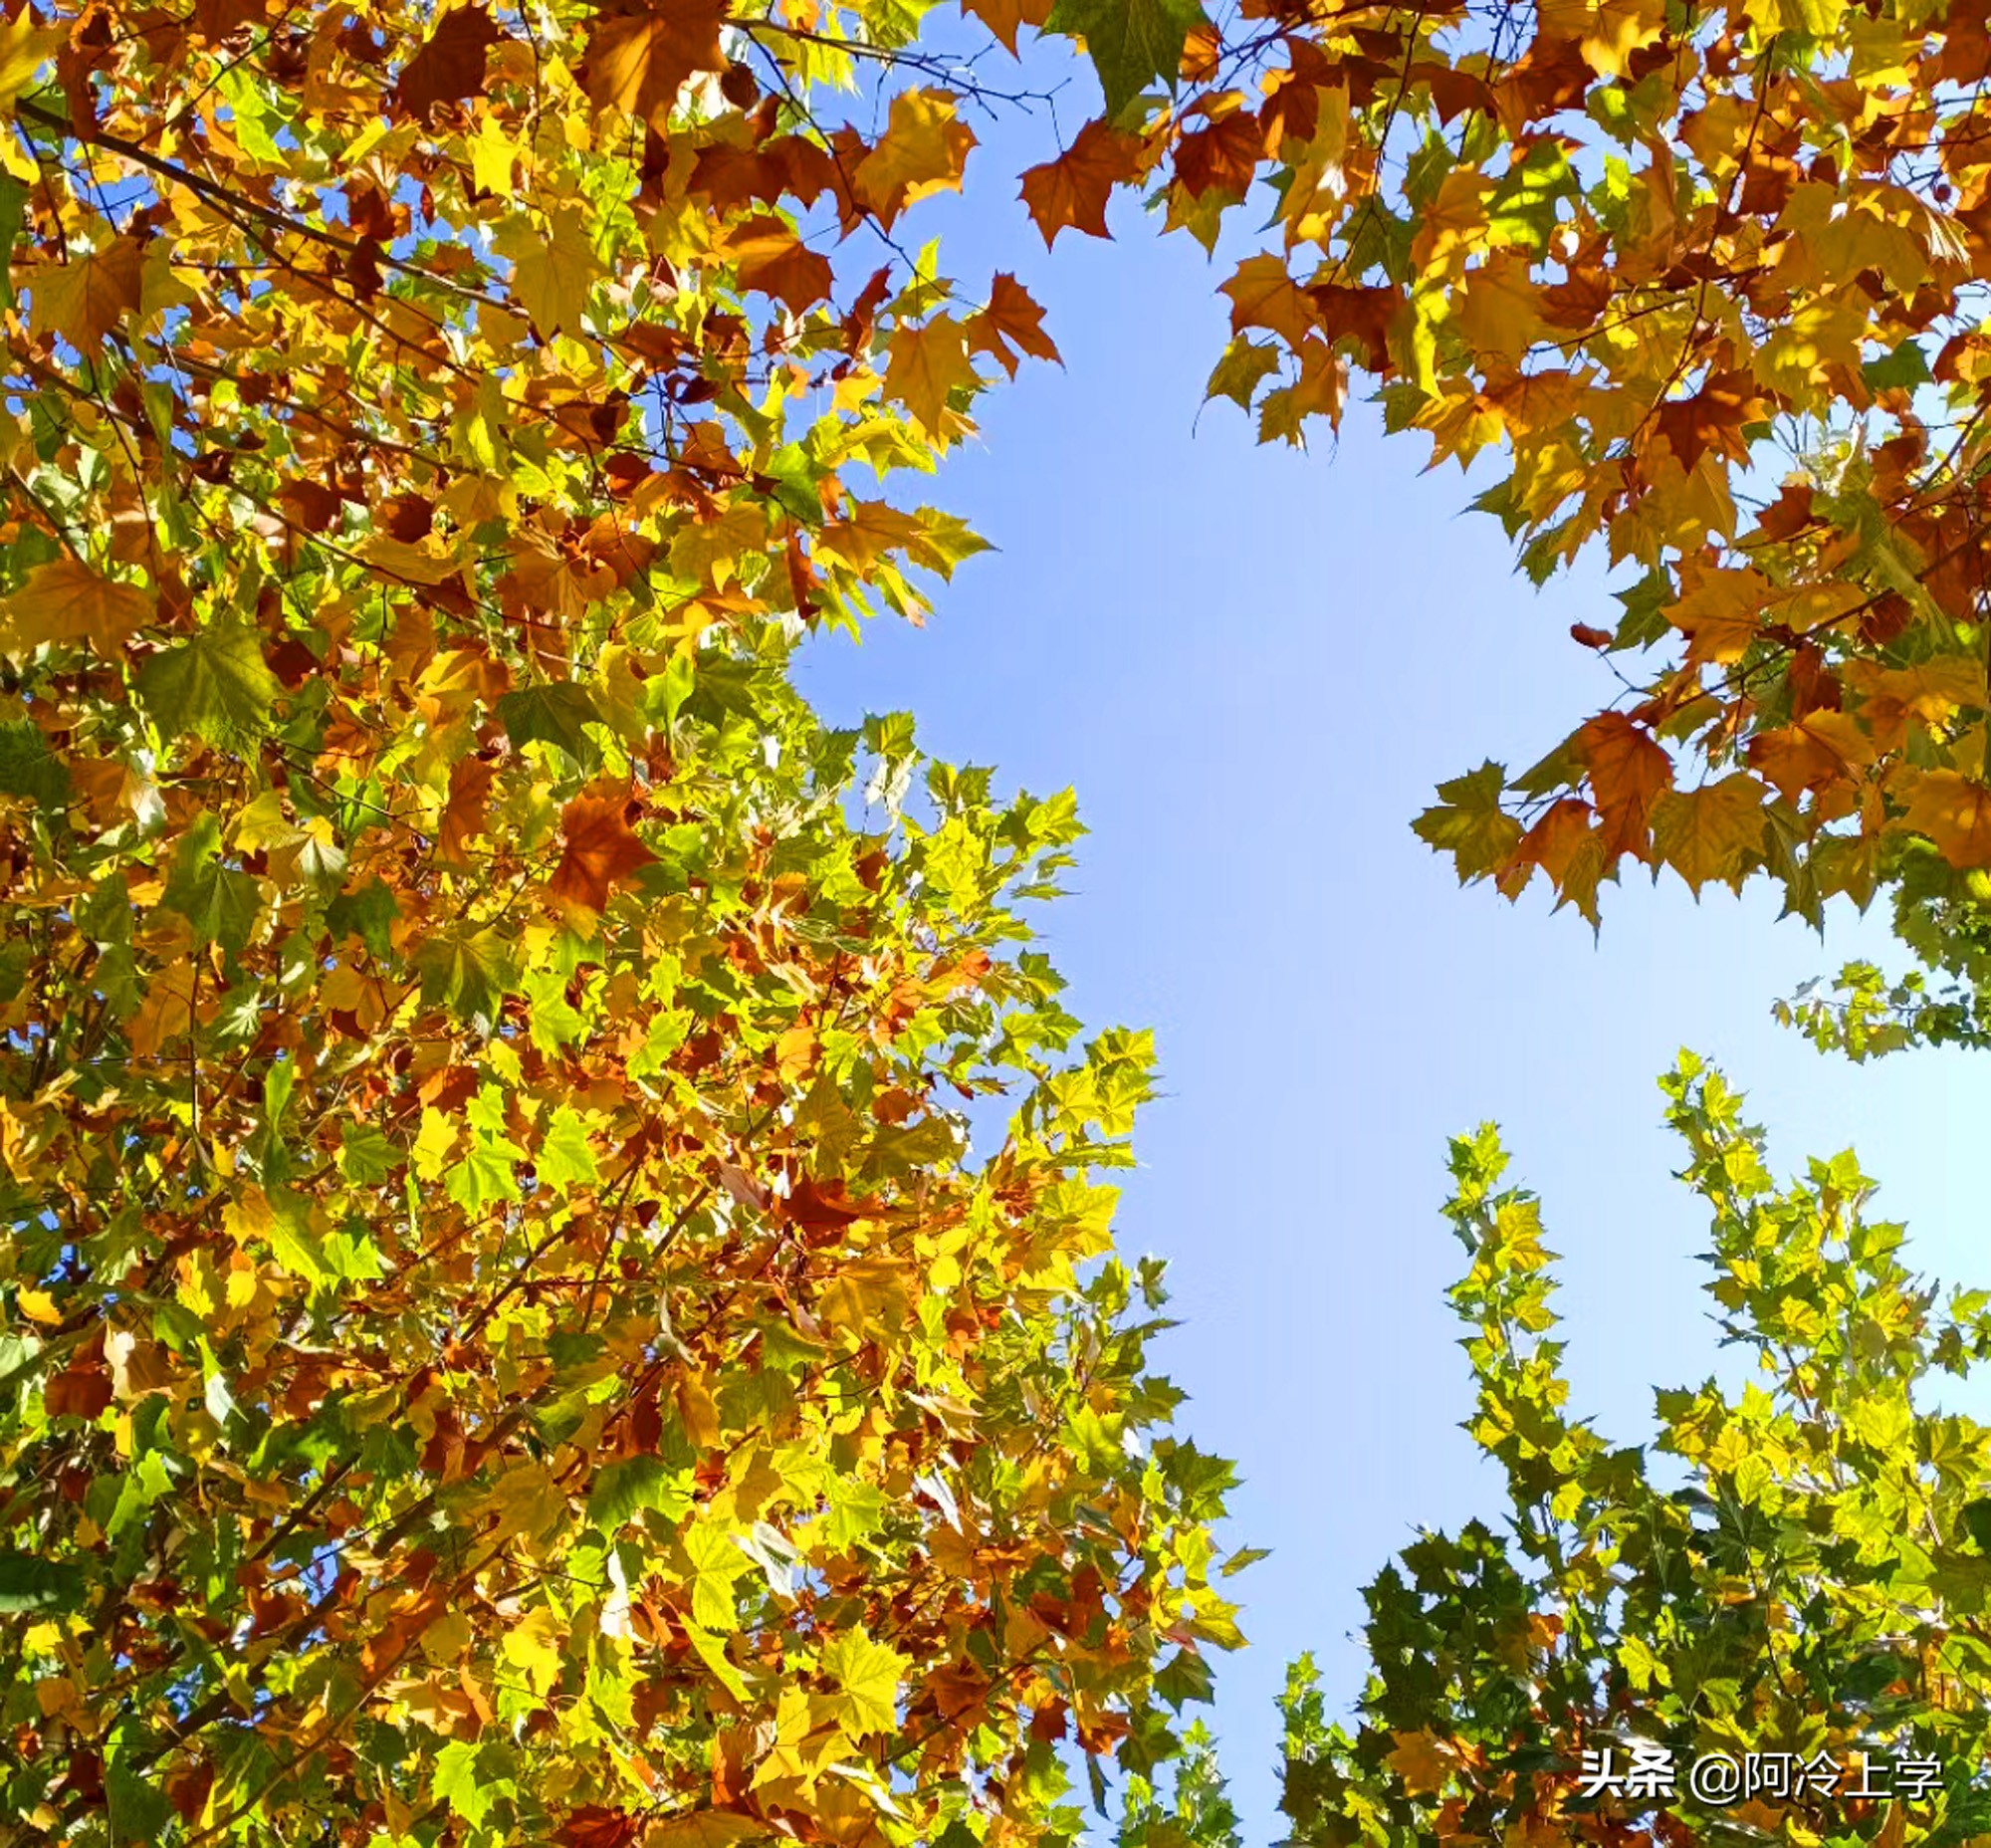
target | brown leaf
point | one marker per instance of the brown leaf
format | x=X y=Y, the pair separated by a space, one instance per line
x=1629 y=769
x=1073 y=189
x=451 y=63
x=601 y=850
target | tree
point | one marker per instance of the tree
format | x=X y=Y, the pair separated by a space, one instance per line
x=1805 y=1577
x=507 y=1338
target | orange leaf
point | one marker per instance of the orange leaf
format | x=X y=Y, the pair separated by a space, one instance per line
x=601 y=850
x=638 y=59
x=1012 y=319
x=769 y=256
x=1629 y=769
x=1954 y=811
x=1264 y=295
x=1822 y=748
x=1073 y=189
x=1002 y=17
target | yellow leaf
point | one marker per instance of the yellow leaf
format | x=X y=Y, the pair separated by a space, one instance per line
x=85 y=300
x=492 y=155
x=37 y=1305
x=66 y=602
x=703 y=1829
x=24 y=48
x=928 y=361
x=552 y=270
x=533 y=1648
x=922 y=151
x=1501 y=311
x=1420 y=1763
x=867 y=1676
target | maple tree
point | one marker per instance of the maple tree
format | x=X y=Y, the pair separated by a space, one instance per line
x=506 y=1337
x=1803 y=1571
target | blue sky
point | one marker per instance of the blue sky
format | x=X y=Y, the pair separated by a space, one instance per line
x=1253 y=665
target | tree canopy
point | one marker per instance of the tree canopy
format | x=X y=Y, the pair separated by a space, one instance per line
x=1800 y=1573
x=507 y=1336
x=517 y=1326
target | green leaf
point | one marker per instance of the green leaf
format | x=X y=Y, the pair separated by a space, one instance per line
x=623 y=1490
x=365 y=1155
x=552 y=714
x=1903 y=369
x=1470 y=824
x=220 y=903
x=368 y=914
x=1976 y=1517
x=27 y=1583
x=213 y=686
x=467 y=973
x=28 y=767
x=457 y=1783
x=564 y=1158
x=1130 y=42
x=138 y=1804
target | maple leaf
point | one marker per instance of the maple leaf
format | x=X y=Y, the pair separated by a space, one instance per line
x=66 y=601
x=1951 y=810
x=601 y=850
x=1264 y=295
x=1470 y=824
x=867 y=1675
x=1629 y=770
x=553 y=271
x=703 y=1829
x=923 y=150
x=25 y=47
x=592 y=1826
x=1073 y=189
x=1130 y=42
x=1710 y=833
x=768 y=255
x=1715 y=417
x=214 y=685
x=929 y=360
x=450 y=64
x=86 y=299
x=1003 y=17
x=1423 y=1765
x=639 y=57
x=1011 y=321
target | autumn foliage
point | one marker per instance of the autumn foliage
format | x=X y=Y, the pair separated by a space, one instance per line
x=517 y=1327
x=507 y=1338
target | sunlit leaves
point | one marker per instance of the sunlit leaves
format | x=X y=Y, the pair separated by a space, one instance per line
x=68 y=601
x=1626 y=1598
x=215 y=685
x=501 y=1272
